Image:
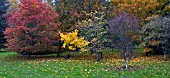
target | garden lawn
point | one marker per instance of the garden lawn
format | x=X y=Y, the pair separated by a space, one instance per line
x=80 y=65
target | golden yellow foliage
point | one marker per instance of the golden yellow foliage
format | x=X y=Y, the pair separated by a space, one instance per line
x=72 y=41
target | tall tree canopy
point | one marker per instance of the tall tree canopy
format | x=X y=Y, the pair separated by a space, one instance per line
x=32 y=28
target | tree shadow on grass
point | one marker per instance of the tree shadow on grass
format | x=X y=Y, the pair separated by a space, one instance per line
x=123 y=68
x=19 y=57
x=33 y=57
x=113 y=57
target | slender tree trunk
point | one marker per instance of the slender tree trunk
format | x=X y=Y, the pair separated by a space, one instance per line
x=126 y=63
x=60 y=46
x=99 y=56
x=127 y=66
x=165 y=51
x=165 y=56
x=67 y=56
x=126 y=60
x=58 y=54
x=28 y=55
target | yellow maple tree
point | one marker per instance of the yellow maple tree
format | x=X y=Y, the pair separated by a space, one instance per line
x=72 y=41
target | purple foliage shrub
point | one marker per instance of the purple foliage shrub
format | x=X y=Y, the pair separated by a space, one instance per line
x=123 y=28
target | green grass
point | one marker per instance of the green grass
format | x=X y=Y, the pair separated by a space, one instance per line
x=79 y=66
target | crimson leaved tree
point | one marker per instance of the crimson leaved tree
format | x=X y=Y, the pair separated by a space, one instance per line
x=32 y=28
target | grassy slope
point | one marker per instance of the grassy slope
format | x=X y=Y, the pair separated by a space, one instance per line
x=15 y=66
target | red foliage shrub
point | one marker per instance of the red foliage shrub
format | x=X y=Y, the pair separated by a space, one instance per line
x=32 y=27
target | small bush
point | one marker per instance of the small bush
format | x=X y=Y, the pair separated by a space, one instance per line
x=73 y=42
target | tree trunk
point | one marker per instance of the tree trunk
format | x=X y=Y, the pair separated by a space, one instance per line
x=126 y=60
x=165 y=57
x=58 y=54
x=164 y=51
x=127 y=65
x=99 y=56
x=29 y=55
x=60 y=46
x=67 y=56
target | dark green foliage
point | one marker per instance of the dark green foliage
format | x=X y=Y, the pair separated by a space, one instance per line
x=156 y=35
x=71 y=11
x=95 y=30
x=3 y=24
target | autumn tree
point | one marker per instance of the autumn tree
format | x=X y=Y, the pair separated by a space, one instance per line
x=156 y=36
x=123 y=28
x=73 y=42
x=95 y=31
x=32 y=28
x=143 y=9
x=71 y=11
